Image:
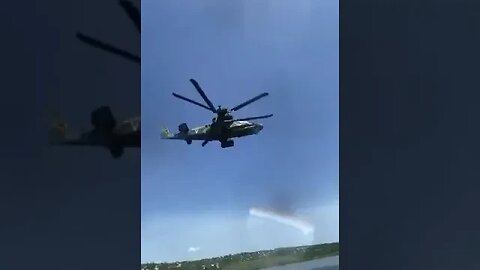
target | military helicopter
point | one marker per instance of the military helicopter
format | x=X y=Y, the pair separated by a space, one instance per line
x=223 y=127
x=134 y=15
x=106 y=133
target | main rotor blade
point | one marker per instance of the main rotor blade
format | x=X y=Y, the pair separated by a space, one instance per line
x=251 y=118
x=132 y=13
x=107 y=47
x=238 y=107
x=191 y=101
x=200 y=91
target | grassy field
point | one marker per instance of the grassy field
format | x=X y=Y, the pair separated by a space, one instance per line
x=254 y=260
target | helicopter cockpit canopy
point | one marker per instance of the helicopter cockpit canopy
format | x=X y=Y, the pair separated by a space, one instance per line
x=240 y=123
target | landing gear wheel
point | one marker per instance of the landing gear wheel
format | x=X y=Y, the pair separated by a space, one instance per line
x=189 y=142
x=226 y=144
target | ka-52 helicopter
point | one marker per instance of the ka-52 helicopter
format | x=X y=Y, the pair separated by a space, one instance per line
x=223 y=127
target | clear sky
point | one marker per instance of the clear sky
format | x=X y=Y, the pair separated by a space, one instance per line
x=196 y=200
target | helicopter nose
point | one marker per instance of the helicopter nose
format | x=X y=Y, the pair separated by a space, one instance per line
x=259 y=127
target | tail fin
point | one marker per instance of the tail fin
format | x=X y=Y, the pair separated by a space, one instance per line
x=102 y=119
x=166 y=134
x=183 y=128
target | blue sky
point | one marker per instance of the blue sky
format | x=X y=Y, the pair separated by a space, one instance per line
x=199 y=197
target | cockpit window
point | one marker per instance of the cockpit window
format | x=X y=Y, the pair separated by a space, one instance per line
x=239 y=123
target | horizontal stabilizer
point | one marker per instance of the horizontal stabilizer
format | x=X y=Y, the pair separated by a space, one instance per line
x=166 y=134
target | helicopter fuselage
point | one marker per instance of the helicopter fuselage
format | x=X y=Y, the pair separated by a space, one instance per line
x=214 y=132
x=223 y=128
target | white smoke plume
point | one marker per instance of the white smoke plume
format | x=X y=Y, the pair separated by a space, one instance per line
x=290 y=220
